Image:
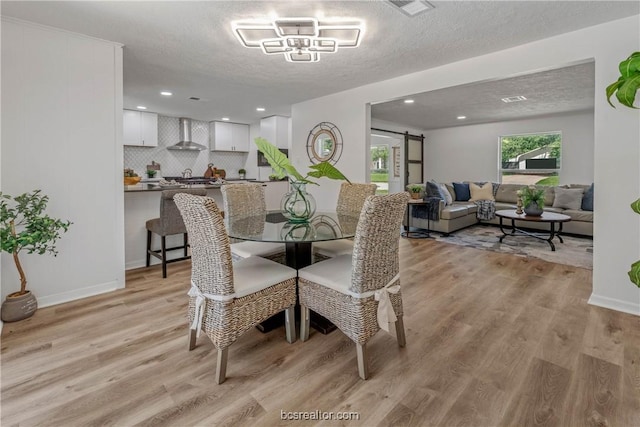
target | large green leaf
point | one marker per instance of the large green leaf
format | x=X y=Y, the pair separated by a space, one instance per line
x=630 y=65
x=627 y=91
x=276 y=158
x=634 y=273
x=326 y=169
x=636 y=206
x=611 y=89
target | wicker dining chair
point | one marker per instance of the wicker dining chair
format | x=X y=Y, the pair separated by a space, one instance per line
x=360 y=293
x=242 y=200
x=227 y=299
x=350 y=201
x=169 y=223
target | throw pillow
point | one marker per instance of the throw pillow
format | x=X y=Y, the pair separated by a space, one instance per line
x=463 y=193
x=481 y=192
x=587 y=199
x=432 y=189
x=447 y=196
x=568 y=198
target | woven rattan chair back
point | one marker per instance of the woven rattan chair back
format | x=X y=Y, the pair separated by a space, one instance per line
x=375 y=248
x=352 y=196
x=241 y=200
x=211 y=268
x=170 y=218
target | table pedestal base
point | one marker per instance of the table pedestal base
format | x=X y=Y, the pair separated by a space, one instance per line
x=298 y=255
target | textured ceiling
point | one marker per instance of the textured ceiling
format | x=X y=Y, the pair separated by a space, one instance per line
x=188 y=47
x=550 y=92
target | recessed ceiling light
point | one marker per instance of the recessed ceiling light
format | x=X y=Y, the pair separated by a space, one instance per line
x=226 y=119
x=260 y=109
x=409 y=101
x=514 y=98
x=461 y=117
x=165 y=93
x=141 y=107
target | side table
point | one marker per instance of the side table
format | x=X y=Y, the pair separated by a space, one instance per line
x=420 y=234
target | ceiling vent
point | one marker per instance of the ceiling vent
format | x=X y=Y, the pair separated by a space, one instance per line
x=514 y=99
x=411 y=7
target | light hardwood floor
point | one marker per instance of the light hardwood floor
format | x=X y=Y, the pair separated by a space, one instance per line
x=492 y=340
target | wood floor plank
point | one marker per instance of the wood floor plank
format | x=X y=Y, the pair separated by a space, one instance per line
x=596 y=389
x=541 y=400
x=492 y=339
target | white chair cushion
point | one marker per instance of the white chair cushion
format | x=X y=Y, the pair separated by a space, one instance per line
x=334 y=273
x=248 y=248
x=253 y=274
x=334 y=248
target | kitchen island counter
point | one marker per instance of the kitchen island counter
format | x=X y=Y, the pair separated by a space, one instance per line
x=142 y=203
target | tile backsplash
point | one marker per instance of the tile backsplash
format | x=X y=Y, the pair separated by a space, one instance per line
x=173 y=162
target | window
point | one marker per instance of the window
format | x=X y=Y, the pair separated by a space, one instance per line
x=531 y=158
x=380 y=168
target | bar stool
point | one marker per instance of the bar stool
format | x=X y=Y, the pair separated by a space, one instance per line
x=169 y=223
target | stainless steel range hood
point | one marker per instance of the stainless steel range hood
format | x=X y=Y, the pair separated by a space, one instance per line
x=185 y=138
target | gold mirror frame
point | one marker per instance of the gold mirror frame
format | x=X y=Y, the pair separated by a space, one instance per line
x=317 y=140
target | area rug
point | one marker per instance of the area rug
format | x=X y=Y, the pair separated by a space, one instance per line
x=575 y=251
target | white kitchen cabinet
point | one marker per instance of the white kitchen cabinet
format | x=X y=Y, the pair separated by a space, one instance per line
x=139 y=128
x=275 y=129
x=224 y=136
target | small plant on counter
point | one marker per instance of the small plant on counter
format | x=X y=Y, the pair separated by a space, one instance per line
x=151 y=173
x=25 y=226
x=242 y=173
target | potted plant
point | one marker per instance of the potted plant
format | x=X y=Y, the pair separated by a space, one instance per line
x=625 y=89
x=415 y=190
x=297 y=205
x=532 y=200
x=151 y=173
x=242 y=173
x=25 y=226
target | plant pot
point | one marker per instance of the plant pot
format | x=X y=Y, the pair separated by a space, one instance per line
x=415 y=196
x=298 y=205
x=17 y=307
x=532 y=209
x=242 y=176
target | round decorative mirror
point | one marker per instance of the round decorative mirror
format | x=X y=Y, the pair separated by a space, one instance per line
x=324 y=143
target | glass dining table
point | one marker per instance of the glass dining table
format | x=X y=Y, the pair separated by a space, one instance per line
x=298 y=238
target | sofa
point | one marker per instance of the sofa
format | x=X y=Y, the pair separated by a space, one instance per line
x=460 y=214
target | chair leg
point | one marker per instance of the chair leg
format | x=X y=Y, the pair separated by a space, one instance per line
x=193 y=334
x=304 y=323
x=164 y=257
x=290 y=324
x=402 y=340
x=148 y=247
x=363 y=363
x=185 y=241
x=221 y=367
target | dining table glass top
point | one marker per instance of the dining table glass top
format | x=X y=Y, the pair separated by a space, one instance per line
x=274 y=227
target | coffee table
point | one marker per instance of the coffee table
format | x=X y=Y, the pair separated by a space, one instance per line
x=550 y=218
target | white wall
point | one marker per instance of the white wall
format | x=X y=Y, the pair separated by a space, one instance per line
x=472 y=152
x=61 y=133
x=616 y=136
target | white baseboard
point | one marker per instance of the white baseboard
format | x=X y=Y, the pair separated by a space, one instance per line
x=615 y=304
x=130 y=265
x=78 y=293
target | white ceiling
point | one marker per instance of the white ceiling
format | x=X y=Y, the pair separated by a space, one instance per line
x=188 y=47
x=550 y=92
